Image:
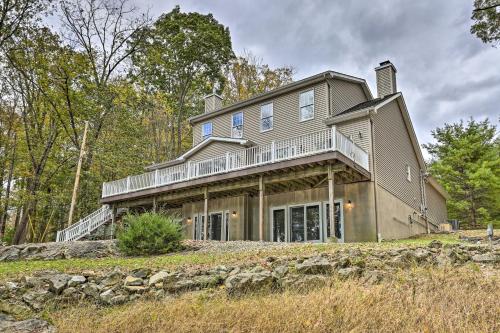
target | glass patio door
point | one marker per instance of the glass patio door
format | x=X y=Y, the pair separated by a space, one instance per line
x=199 y=227
x=305 y=223
x=338 y=223
x=279 y=225
x=215 y=226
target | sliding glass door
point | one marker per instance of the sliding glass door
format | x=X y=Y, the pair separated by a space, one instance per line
x=305 y=223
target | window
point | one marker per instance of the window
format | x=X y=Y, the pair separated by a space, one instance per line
x=408 y=173
x=306 y=100
x=206 y=130
x=266 y=117
x=237 y=125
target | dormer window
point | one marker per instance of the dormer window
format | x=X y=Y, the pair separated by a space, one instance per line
x=237 y=125
x=306 y=102
x=206 y=130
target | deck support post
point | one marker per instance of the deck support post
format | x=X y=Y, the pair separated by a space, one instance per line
x=205 y=213
x=331 y=199
x=113 y=220
x=155 y=205
x=261 y=208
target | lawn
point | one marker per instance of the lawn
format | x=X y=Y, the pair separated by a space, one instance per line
x=185 y=259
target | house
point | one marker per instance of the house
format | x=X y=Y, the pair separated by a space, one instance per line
x=317 y=159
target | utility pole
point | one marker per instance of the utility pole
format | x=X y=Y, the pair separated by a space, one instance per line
x=77 y=177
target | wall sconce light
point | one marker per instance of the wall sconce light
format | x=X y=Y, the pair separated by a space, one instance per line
x=234 y=213
x=349 y=204
x=189 y=220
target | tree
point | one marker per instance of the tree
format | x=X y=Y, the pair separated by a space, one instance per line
x=486 y=16
x=247 y=76
x=182 y=56
x=16 y=14
x=466 y=161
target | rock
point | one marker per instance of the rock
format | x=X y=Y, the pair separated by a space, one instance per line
x=106 y=296
x=133 y=281
x=302 y=282
x=435 y=244
x=487 y=258
x=141 y=273
x=76 y=280
x=70 y=292
x=11 y=285
x=249 y=282
x=8 y=324
x=421 y=254
x=158 y=277
x=315 y=265
x=58 y=282
x=91 y=289
x=112 y=279
x=35 y=282
x=36 y=298
x=372 y=277
x=349 y=272
x=9 y=253
x=136 y=289
x=175 y=284
x=280 y=271
x=118 y=299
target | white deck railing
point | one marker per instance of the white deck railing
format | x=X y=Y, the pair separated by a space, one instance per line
x=276 y=151
x=85 y=226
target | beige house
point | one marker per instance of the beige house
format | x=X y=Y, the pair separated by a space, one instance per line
x=314 y=160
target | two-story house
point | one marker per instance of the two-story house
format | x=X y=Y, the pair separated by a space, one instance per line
x=313 y=160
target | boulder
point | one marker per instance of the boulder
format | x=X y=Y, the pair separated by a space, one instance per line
x=175 y=284
x=486 y=258
x=58 y=282
x=9 y=253
x=158 y=277
x=9 y=324
x=349 y=272
x=315 y=265
x=302 y=282
x=435 y=244
x=113 y=278
x=91 y=289
x=76 y=280
x=280 y=271
x=106 y=296
x=36 y=298
x=133 y=281
x=141 y=273
x=249 y=282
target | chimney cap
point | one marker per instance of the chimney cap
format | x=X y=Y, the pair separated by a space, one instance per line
x=385 y=64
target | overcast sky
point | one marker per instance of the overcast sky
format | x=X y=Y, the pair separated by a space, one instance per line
x=444 y=72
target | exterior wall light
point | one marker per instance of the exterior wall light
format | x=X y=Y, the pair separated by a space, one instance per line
x=349 y=204
x=234 y=213
x=189 y=220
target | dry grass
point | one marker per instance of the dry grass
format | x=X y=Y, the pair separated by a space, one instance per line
x=459 y=300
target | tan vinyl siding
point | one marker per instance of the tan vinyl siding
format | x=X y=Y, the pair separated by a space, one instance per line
x=286 y=122
x=344 y=95
x=436 y=205
x=214 y=149
x=354 y=128
x=386 y=81
x=393 y=151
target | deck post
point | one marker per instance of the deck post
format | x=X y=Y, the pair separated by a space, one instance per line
x=205 y=213
x=261 y=208
x=113 y=220
x=334 y=143
x=155 y=206
x=331 y=199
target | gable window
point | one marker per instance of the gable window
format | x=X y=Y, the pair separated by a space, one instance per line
x=206 y=130
x=266 y=117
x=237 y=125
x=306 y=100
x=408 y=173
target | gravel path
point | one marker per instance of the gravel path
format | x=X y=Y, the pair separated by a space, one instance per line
x=234 y=246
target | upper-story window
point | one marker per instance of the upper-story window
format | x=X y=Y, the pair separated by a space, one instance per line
x=266 y=117
x=206 y=130
x=237 y=125
x=306 y=100
x=408 y=172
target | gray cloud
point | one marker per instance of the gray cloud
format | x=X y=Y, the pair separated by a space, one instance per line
x=445 y=73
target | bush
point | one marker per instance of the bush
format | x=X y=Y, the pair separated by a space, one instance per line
x=149 y=233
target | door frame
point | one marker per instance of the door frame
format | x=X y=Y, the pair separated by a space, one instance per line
x=210 y=222
x=305 y=205
x=226 y=229
x=342 y=228
x=271 y=214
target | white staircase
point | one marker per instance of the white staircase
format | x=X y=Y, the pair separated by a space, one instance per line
x=86 y=225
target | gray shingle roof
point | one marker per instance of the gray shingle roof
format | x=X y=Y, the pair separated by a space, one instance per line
x=366 y=104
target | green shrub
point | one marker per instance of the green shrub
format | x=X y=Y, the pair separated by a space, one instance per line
x=8 y=235
x=149 y=233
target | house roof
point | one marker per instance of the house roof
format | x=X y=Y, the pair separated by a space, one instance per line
x=199 y=146
x=284 y=89
x=368 y=104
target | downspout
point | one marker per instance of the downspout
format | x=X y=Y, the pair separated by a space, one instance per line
x=374 y=177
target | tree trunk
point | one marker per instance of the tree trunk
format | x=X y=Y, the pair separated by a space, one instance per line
x=4 y=217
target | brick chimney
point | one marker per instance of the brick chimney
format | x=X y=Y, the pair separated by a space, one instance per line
x=213 y=102
x=386 y=79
